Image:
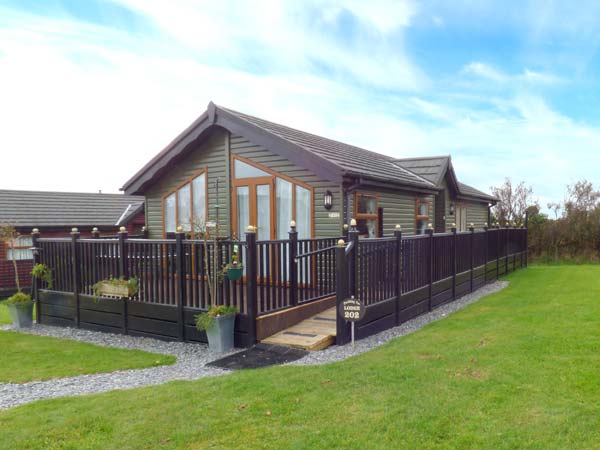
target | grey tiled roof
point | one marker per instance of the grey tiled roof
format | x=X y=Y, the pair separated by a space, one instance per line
x=349 y=158
x=435 y=168
x=50 y=209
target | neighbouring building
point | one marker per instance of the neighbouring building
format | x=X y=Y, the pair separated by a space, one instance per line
x=55 y=214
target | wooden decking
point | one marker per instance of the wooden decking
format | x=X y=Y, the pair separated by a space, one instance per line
x=314 y=333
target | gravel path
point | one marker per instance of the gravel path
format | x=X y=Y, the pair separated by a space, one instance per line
x=191 y=358
x=190 y=365
x=335 y=353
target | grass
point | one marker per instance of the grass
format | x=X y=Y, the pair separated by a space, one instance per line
x=519 y=369
x=31 y=358
x=4 y=316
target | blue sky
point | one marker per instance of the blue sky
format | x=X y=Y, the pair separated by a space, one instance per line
x=90 y=90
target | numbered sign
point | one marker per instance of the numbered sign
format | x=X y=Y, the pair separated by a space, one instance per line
x=351 y=310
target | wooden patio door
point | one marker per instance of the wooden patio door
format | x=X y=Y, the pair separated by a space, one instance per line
x=253 y=205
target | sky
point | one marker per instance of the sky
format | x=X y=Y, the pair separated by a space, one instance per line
x=91 y=90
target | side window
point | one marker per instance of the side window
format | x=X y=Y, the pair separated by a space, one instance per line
x=366 y=212
x=423 y=215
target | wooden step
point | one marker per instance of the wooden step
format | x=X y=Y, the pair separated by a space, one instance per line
x=314 y=333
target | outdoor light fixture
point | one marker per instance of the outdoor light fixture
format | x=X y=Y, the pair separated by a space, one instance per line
x=328 y=200
x=451 y=211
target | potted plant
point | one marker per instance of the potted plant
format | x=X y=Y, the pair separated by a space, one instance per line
x=20 y=304
x=235 y=269
x=116 y=287
x=20 y=308
x=44 y=273
x=218 y=322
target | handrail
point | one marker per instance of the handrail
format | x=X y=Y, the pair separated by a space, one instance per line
x=314 y=252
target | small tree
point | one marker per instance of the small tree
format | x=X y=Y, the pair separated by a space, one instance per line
x=513 y=202
x=8 y=235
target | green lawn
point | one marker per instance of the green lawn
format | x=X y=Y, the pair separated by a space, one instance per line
x=29 y=358
x=519 y=369
x=4 y=316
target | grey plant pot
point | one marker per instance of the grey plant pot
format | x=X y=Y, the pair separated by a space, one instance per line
x=220 y=333
x=21 y=315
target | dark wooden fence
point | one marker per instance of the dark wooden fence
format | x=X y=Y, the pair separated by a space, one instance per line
x=284 y=281
x=402 y=277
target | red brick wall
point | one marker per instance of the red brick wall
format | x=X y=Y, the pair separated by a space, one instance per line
x=7 y=271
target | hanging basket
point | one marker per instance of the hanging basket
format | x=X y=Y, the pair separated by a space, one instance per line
x=235 y=273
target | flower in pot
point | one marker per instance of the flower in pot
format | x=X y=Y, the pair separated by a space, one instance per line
x=20 y=308
x=235 y=269
x=218 y=322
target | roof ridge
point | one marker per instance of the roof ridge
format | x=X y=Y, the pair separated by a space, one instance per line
x=423 y=158
x=111 y=194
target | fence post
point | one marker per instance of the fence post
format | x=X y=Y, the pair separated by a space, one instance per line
x=35 y=283
x=454 y=246
x=507 y=247
x=251 y=274
x=472 y=262
x=123 y=272
x=486 y=248
x=341 y=292
x=399 y=270
x=95 y=233
x=352 y=263
x=180 y=277
x=75 y=272
x=144 y=232
x=292 y=264
x=526 y=238
x=498 y=251
x=430 y=262
x=345 y=232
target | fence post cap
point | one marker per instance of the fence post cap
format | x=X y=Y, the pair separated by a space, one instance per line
x=293 y=224
x=95 y=230
x=122 y=230
x=74 y=230
x=453 y=224
x=35 y=230
x=430 y=226
x=345 y=226
x=341 y=243
x=398 y=227
x=250 y=229
x=352 y=222
x=144 y=228
x=179 y=229
x=472 y=225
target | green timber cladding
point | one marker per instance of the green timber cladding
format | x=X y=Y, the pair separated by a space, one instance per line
x=220 y=134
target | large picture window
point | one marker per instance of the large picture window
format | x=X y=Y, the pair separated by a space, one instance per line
x=269 y=200
x=366 y=214
x=423 y=215
x=186 y=205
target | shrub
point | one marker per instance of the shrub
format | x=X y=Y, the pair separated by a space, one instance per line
x=205 y=320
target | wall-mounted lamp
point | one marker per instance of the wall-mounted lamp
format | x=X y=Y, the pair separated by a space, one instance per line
x=451 y=210
x=328 y=200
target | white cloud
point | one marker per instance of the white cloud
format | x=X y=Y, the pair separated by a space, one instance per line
x=489 y=73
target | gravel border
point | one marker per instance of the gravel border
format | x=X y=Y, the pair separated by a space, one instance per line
x=337 y=353
x=190 y=365
x=191 y=357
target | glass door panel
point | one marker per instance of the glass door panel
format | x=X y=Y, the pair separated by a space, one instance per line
x=263 y=212
x=243 y=210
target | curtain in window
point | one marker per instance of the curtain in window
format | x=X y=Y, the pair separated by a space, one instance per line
x=19 y=254
x=283 y=191
x=303 y=212
x=184 y=207
x=170 y=219
x=199 y=207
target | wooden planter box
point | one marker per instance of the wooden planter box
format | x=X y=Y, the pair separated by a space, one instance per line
x=115 y=290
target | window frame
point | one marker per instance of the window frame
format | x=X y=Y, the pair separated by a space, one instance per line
x=366 y=216
x=272 y=178
x=419 y=217
x=188 y=181
x=10 y=247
